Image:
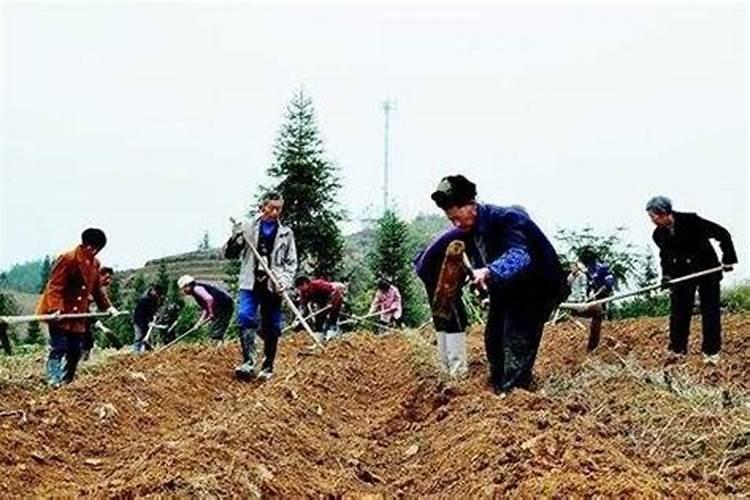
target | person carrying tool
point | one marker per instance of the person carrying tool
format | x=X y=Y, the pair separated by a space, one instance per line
x=143 y=315
x=387 y=302
x=87 y=340
x=322 y=294
x=514 y=262
x=75 y=279
x=600 y=283
x=684 y=248
x=274 y=242
x=216 y=305
x=450 y=326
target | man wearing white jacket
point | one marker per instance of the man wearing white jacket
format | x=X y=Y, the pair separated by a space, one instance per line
x=275 y=243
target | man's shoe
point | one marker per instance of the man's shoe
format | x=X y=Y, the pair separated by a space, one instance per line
x=246 y=371
x=711 y=359
x=265 y=374
x=673 y=357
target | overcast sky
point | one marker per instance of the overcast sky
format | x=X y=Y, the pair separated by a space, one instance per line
x=156 y=122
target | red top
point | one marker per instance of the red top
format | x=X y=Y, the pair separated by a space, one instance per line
x=321 y=292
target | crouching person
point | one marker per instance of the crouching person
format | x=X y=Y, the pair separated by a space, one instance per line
x=516 y=264
x=387 y=304
x=274 y=243
x=325 y=296
x=448 y=311
x=143 y=316
x=74 y=280
x=598 y=283
x=216 y=304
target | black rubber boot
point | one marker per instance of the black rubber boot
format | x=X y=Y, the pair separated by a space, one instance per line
x=247 y=342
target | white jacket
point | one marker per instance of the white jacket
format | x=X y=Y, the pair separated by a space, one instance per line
x=283 y=255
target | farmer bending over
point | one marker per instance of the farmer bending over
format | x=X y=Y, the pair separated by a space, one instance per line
x=516 y=264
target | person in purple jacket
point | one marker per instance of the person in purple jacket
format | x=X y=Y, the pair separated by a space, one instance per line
x=216 y=304
x=517 y=266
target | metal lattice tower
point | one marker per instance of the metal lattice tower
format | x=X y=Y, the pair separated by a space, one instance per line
x=388 y=106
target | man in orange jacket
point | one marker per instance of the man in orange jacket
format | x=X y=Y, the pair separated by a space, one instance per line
x=74 y=280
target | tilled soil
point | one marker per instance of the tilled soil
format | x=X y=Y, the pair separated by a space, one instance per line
x=371 y=416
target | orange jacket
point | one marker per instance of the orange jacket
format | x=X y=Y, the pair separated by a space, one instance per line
x=73 y=281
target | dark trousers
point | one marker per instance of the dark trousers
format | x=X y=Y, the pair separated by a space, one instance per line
x=64 y=344
x=682 y=302
x=596 y=314
x=87 y=340
x=511 y=340
x=222 y=317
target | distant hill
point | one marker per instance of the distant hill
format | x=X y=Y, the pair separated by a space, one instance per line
x=25 y=277
x=26 y=302
x=209 y=265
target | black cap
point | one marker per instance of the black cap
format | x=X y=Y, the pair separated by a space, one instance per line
x=454 y=191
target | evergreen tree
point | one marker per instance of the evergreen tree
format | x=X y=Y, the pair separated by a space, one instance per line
x=649 y=275
x=309 y=183
x=162 y=277
x=9 y=307
x=121 y=326
x=139 y=286
x=34 y=333
x=623 y=258
x=391 y=259
x=45 y=272
x=232 y=270
x=174 y=294
x=205 y=242
x=115 y=291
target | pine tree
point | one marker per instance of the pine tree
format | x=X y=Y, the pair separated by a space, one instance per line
x=232 y=270
x=174 y=294
x=205 y=242
x=121 y=326
x=309 y=183
x=162 y=276
x=391 y=259
x=8 y=307
x=138 y=286
x=34 y=333
x=114 y=292
x=45 y=272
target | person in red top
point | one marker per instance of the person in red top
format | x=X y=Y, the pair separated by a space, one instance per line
x=322 y=294
x=75 y=280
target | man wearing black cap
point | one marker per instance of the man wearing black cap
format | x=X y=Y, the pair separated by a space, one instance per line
x=684 y=248
x=516 y=264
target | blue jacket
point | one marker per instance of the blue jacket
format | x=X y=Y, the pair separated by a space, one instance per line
x=600 y=277
x=523 y=263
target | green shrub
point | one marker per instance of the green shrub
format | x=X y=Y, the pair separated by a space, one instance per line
x=737 y=298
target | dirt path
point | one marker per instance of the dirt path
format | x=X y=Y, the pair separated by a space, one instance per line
x=371 y=416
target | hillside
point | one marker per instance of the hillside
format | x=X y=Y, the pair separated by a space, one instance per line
x=211 y=266
x=370 y=417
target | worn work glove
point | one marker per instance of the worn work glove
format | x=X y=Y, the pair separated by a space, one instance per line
x=113 y=311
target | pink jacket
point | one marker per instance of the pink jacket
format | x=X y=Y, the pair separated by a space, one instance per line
x=388 y=303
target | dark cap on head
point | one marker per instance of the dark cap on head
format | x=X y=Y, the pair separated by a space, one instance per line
x=94 y=237
x=454 y=191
